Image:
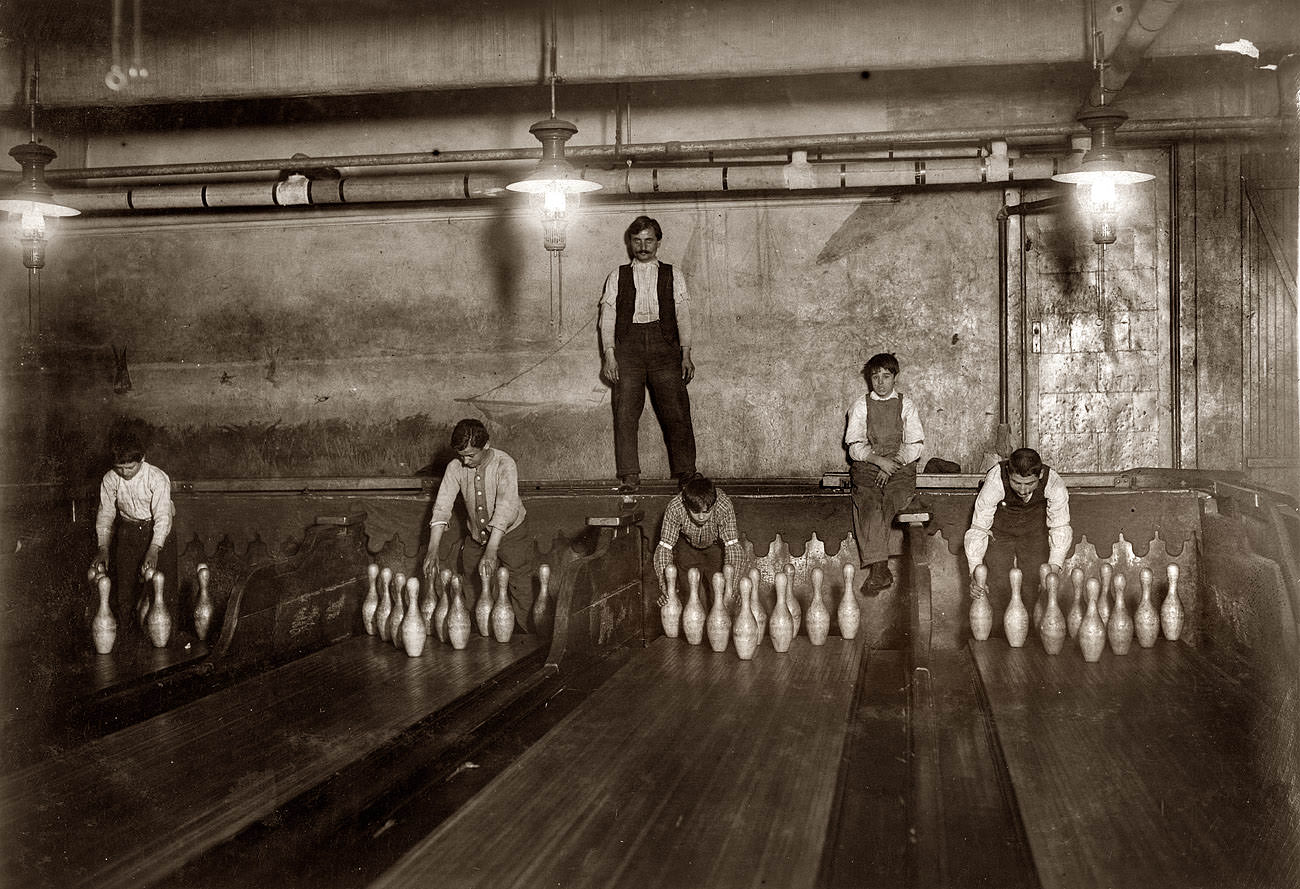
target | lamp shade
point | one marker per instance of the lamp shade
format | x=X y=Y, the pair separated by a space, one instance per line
x=1103 y=163
x=32 y=194
x=553 y=174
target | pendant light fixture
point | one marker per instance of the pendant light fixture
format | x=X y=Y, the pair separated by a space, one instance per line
x=32 y=199
x=1103 y=167
x=555 y=185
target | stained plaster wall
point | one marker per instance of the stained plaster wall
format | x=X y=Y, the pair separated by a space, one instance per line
x=373 y=318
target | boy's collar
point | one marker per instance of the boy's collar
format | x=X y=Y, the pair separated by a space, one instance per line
x=874 y=397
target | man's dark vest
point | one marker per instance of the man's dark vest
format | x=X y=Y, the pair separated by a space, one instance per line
x=625 y=305
x=1015 y=517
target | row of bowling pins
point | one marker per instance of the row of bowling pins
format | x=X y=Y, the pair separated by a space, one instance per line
x=152 y=612
x=751 y=622
x=394 y=610
x=1093 y=624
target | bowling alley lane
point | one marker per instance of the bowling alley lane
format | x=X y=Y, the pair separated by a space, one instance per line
x=132 y=807
x=1142 y=770
x=686 y=768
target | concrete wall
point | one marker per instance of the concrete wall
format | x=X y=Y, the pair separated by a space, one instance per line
x=317 y=343
x=364 y=320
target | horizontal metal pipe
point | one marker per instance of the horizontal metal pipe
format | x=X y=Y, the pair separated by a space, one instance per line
x=634 y=180
x=1168 y=129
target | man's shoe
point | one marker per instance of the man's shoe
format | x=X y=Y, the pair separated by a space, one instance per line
x=684 y=477
x=880 y=577
x=630 y=484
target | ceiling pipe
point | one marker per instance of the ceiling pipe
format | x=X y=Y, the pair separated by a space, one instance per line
x=1158 y=130
x=1128 y=55
x=712 y=179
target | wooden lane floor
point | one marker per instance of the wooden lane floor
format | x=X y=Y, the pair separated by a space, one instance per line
x=686 y=768
x=131 y=807
x=1139 y=771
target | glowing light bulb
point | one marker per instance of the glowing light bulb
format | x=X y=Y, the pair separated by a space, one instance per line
x=33 y=224
x=1101 y=194
x=554 y=203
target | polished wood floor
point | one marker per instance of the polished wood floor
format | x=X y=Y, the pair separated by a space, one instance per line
x=127 y=809
x=686 y=768
x=1139 y=771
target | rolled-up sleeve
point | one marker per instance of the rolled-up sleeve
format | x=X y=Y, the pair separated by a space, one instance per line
x=913 y=433
x=446 y=499
x=107 y=509
x=608 y=298
x=161 y=508
x=855 y=433
x=1060 y=535
x=976 y=541
x=506 y=509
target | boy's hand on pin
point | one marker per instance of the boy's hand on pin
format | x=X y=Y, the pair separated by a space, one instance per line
x=431 y=565
x=150 y=563
x=489 y=561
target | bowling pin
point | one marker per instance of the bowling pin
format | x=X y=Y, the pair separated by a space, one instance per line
x=483 y=607
x=744 y=631
x=429 y=601
x=1092 y=634
x=412 y=629
x=458 y=617
x=818 y=616
x=370 y=604
x=670 y=613
x=202 y=608
x=729 y=588
x=159 y=622
x=780 y=626
x=503 y=613
x=1171 y=612
x=142 y=606
x=1015 y=620
x=543 y=620
x=1103 y=598
x=385 y=609
x=399 y=609
x=693 y=612
x=849 y=614
x=981 y=609
x=1052 y=630
x=756 y=606
x=718 y=624
x=444 y=604
x=1119 y=629
x=1146 y=620
x=1075 y=617
x=796 y=610
x=1043 y=570
x=103 y=629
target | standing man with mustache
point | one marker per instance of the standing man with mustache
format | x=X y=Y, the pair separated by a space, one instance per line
x=645 y=334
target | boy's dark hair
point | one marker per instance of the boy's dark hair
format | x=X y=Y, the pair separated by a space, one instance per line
x=126 y=447
x=1025 y=462
x=469 y=433
x=698 y=494
x=640 y=224
x=880 y=361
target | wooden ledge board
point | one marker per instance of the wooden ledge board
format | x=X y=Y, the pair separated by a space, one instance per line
x=1137 y=771
x=132 y=807
x=686 y=768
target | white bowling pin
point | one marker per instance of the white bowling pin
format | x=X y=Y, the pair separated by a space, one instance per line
x=202 y=608
x=103 y=629
x=412 y=630
x=159 y=622
x=370 y=604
